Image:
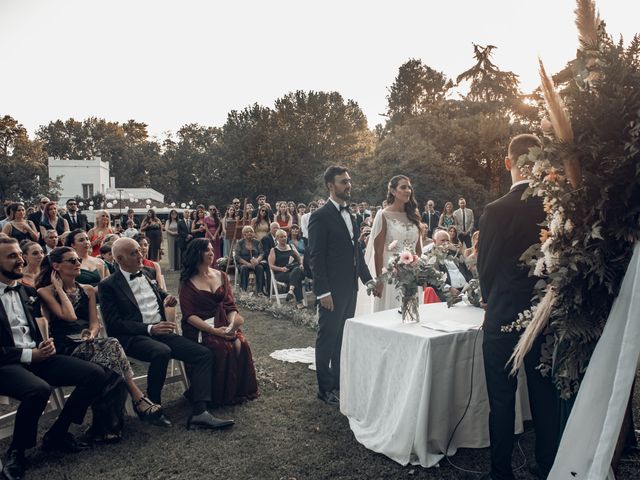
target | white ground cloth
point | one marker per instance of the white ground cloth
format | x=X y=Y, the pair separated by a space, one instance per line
x=592 y=431
x=295 y=355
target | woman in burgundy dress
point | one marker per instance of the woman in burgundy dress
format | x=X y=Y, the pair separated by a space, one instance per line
x=210 y=317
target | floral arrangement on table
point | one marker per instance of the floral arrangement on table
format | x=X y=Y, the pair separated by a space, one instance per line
x=588 y=173
x=471 y=292
x=406 y=272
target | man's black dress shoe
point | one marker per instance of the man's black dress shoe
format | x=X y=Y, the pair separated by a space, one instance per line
x=14 y=465
x=158 y=419
x=206 y=420
x=65 y=443
x=329 y=398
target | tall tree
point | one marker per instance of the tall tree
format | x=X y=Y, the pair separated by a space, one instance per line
x=415 y=90
x=23 y=164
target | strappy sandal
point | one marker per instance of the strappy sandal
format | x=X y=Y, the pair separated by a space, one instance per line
x=151 y=410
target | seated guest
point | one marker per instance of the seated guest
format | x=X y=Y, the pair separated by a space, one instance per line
x=152 y=268
x=93 y=269
x=286 y=265
x=210 y=317
x=33 y=256
x=18 y=226
x=131 y=230
x=30 y=369
x=51 y=241
x=267 y=243
x=73 y=312
x=50 y=220
x=457 y=274
x=299 y=243
x=455 y=240
x=471 y=254
x=248 y=257
x=133 y=308
x=107 y=258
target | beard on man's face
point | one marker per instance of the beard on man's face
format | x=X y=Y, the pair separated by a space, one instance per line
x=11 y=274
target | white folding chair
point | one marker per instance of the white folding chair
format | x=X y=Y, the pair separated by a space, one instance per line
x=275 y=289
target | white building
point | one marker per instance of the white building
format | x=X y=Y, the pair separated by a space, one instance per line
x=82 y=178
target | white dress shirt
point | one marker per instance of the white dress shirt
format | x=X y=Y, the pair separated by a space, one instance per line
x=146 y=299
x=346 y=216
x=18 y=322
x=457 y=279
x=304 y=225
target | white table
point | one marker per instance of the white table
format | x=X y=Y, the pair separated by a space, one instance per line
x=404 y=387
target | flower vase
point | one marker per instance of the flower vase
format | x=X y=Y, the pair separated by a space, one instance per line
x=409 y=309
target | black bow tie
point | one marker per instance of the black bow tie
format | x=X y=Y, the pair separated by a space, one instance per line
x=15 y=288
x=344 y=207
x=135 y=275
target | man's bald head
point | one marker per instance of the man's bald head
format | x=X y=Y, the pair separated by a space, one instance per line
x=440 y=237
x=126 y=253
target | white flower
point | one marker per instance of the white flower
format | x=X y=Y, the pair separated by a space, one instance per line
x=537 y=169
x=568 y=226
x=545 y=246
x=557 y=222
x=539 y=270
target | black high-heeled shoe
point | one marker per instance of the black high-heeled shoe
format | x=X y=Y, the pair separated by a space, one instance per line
x=289 y=297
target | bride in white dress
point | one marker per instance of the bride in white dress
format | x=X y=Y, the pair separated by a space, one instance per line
x=399 y=222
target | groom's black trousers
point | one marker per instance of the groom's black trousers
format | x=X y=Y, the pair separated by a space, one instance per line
x=501 y=387
x=329 y=340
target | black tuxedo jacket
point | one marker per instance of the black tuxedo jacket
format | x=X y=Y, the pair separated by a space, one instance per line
x=507 y=228
x=9 y=353
x=463 y=270
x=267 y=244
x=120 y=310
x=81 y=221
x=183 y=232
x=335 y=258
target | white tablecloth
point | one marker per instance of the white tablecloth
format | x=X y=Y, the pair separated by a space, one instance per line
x=404 y=387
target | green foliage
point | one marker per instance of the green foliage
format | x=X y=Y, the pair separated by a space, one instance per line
x=589 y=232
x=23 y=165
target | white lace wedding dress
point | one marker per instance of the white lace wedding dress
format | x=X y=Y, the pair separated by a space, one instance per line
x=397 y=228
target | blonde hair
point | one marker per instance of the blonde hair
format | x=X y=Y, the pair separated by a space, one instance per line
x=280 y=232
x=247 y=228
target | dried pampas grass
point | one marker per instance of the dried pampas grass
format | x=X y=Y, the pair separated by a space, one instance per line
x=538 y=323
x=587 y=21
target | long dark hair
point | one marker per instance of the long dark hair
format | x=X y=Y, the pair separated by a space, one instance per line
x=55 y=256
x=192 y=258
x=411 y=207
x=71 y=238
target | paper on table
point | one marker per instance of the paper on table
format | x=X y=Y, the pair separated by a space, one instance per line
x=447 y=325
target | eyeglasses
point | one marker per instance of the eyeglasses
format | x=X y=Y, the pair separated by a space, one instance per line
x=73 y=260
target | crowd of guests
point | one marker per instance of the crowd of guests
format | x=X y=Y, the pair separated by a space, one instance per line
x=77 y=303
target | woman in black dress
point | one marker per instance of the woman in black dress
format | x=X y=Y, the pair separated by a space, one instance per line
x=18 y=226
x=286 y=264
x=152 y=228
x=52 y=221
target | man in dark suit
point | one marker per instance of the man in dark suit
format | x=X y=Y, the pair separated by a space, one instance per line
x=458 y=275
x=30 y=368
x=133 y=308
x=184 y=231
x=336 y=263
x=507 y=228
x=36 y=216
x=430 y=217
x=74 y=218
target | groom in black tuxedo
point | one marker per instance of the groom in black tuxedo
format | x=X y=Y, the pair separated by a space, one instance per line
x=507 y=228
x=336 y=263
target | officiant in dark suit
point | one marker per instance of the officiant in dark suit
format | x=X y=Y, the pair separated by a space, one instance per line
x=133 y=308
x=74 y=218
x=336 y=263
x=508 y=227
x=30 y=368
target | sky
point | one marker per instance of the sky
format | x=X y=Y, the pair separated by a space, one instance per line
x=170 y=63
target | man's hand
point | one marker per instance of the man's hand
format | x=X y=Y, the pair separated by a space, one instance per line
x=45 y=350
x=327 y=303
x=454 y=292
x=163 y=328
x=377 y=291
x=170 y=301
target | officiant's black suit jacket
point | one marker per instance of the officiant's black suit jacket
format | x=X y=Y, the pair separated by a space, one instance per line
x=120 y=309
x=81 y=221
x=336 y=260
x=508 y=227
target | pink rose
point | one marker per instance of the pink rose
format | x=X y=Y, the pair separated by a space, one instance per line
x=406 y=257
x=415 y=259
